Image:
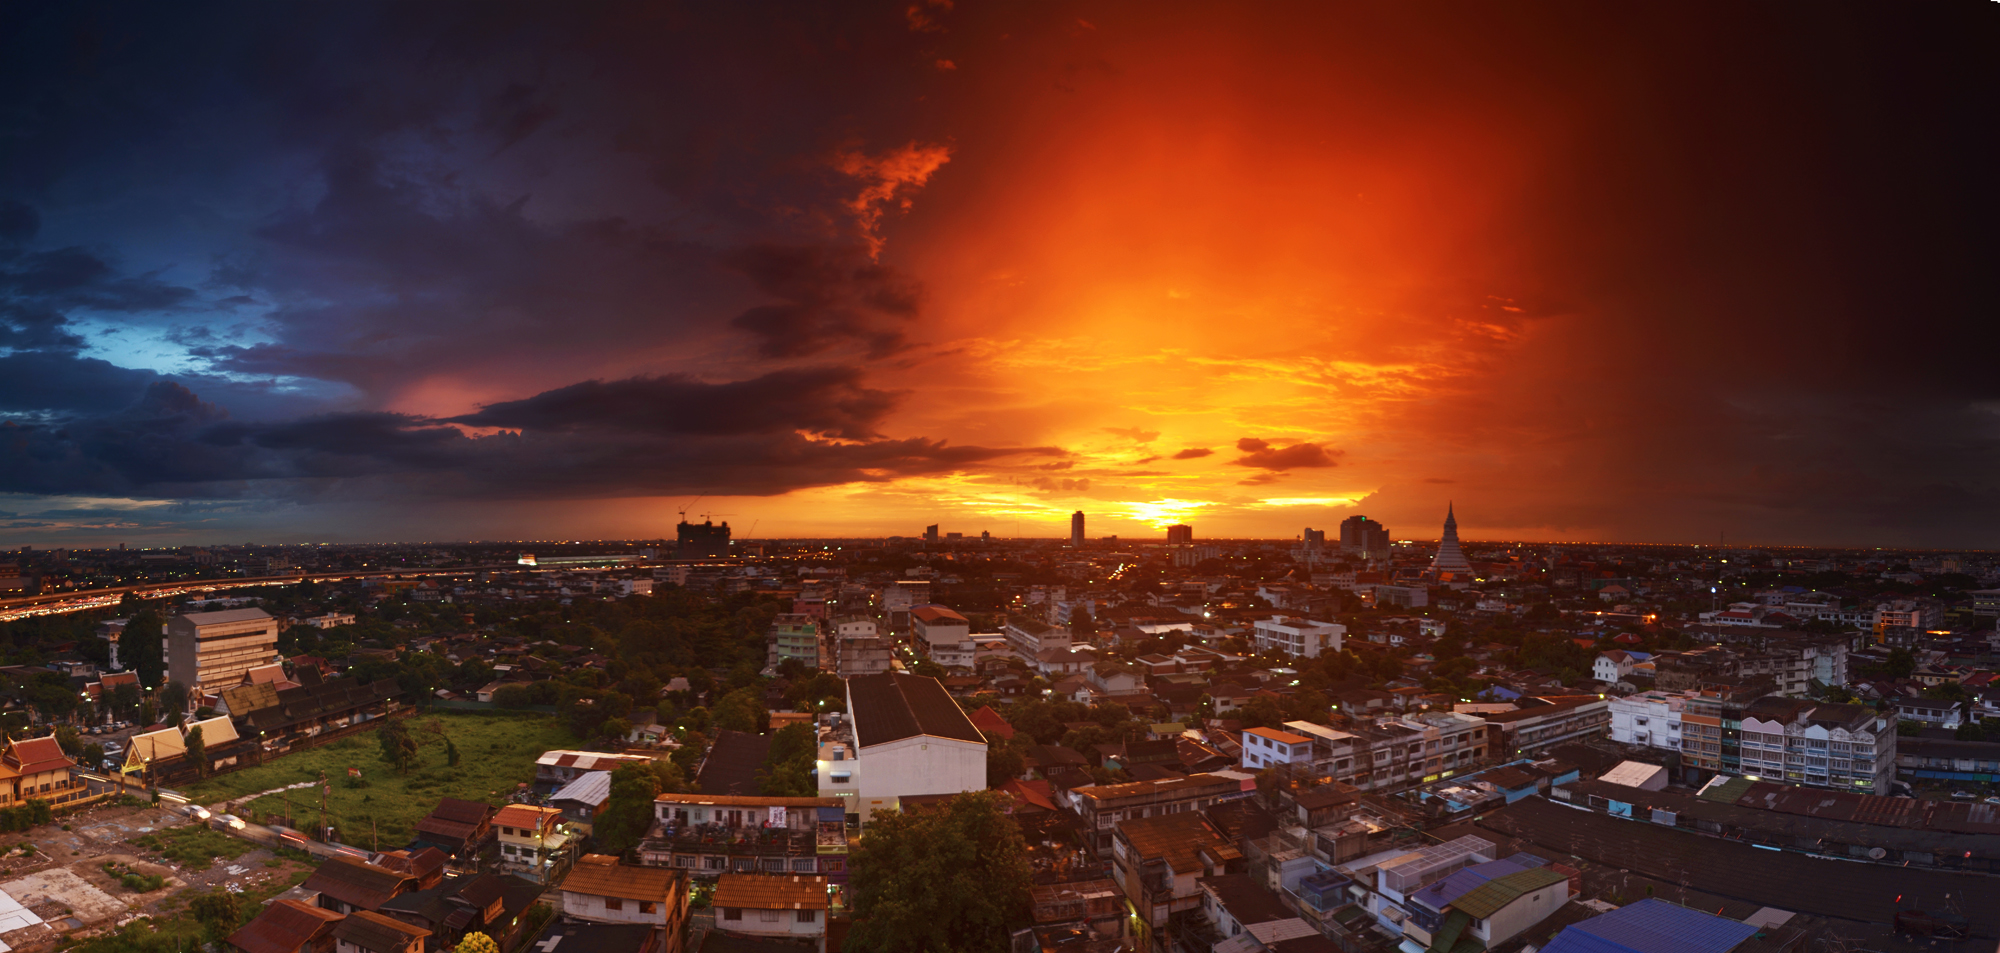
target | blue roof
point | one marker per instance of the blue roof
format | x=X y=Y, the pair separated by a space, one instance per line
x=1652 y=926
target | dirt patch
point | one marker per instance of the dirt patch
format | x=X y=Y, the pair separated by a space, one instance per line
x=60 y=892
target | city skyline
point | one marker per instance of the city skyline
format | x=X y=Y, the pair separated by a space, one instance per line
x=380 y=272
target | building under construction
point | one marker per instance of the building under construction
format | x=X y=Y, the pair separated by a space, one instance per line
x=706 y=541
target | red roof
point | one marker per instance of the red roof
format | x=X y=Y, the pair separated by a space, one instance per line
x=991 y=722
x=37 y=755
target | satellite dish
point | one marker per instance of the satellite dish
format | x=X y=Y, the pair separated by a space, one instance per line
x=1877 y=853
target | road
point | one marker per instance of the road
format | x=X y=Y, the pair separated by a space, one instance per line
x=57 y=603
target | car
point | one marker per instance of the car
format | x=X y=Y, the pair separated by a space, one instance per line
x=195 y=810
x=1993 y=800
x=227 y=822
x=1963 y=796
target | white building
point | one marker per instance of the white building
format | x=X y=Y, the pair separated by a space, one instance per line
x=599 y=889
x=1652 y=719
x=903 y=735
x=943 y=636
x=1613 y=666
x=1264 y=747
x=1297 y=637
x=1029 y=636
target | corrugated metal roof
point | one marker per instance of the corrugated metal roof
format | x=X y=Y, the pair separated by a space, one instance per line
x=1494 y=895
x=593 y=787
x=1651 y=926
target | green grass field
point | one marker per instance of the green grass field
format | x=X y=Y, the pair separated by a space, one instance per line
x=496 y=752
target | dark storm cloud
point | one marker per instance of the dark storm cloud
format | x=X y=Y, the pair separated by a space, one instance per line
x=1194 y=453
x=43 y=381
x=829 y=400
x=832 y=296
x=583 y=441
x=1259 y=453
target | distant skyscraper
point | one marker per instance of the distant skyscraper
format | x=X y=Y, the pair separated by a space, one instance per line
x=1076 y=529
x=1180 y=535
x=1364 y=537
x=1450 y=559
x=1313 y=538
x=931 y=533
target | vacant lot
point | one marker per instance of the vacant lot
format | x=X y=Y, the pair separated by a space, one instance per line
x=496 y=752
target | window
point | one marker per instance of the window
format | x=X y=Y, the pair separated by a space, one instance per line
x=841 y=777
x=613 y=903
x=803 y=865
x=683 y=860
x=649 y=906
x=732 y=913
x=767 y=916
x=808 y=916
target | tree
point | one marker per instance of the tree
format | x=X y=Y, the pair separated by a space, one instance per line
x=218 y=910
x=125 y=699
x=398 y=748
x=788 y=769
x=1900 y=663
x=951 y=877
x=140 y=647
x=743 y=710
x=450 y=753
x=69 y=740
x=476 y=943
x=197 y=752
x=628 y=814
x=173 y=697
x=1004 y=761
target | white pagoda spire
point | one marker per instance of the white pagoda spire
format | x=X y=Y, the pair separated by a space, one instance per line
x=1449 y=558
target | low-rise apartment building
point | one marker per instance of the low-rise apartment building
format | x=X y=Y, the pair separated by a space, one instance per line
x=1030 y=636
x=1394 y=752
x=793 y=636
x=1652 y=719
x=1849 y=747
x=1296 y=637
x=1526 y=731
x=1159 y=862
x=1101 y=807
x=533 y=840
x=709 y=835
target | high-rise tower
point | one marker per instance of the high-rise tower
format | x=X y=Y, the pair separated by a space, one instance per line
x=1076 y=529
x=1449 y=558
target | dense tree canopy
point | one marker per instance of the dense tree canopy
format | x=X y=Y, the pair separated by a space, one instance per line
x=948 y=878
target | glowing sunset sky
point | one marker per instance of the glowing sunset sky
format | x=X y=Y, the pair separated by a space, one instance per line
x=425 y=271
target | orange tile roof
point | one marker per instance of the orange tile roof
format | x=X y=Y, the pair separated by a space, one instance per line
x=1283 y=737
x=524 y=816
x=600 y=875
x=770 y=892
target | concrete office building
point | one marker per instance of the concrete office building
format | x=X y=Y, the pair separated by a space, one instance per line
x=1076 y=529
x=211 y=651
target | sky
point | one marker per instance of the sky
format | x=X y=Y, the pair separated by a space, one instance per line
x=1614 y=272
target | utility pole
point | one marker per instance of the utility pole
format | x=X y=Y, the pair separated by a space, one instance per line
x=374 y=839
x=323 y=789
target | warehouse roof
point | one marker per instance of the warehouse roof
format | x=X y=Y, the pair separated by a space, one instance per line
x=892 y=706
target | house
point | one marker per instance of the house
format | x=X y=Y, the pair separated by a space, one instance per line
x=36 y=769
x=486 y=903
x=711 y=834
x=287 y=926
x=762 y=905
x=992 y=724
x=581 y=799
x=346 y=885
x=599 y=889
x=461 y=827
x=1931 y=712
x=531 y=839
x=1614 y=665
x=1116 y=678
x=366 y=932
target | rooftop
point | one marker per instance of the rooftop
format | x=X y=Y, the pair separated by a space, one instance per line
x=770 y=892
x=892 y=706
